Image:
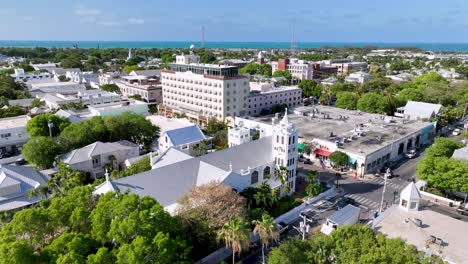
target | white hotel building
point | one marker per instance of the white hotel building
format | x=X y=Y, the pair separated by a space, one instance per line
x=203 y=91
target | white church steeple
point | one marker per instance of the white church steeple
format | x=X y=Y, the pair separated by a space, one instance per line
x=285 y=137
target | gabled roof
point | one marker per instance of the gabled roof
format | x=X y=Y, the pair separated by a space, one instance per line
x=421 y=110
x=97 y=148
x=410 y=192
x=25 y=179
x=68 y=115
x=185 y=135
x=340 y=217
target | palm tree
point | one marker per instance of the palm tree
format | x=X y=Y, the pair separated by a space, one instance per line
x=281 y=174
x=236 y=234
x=311 y=177
x=266 y=229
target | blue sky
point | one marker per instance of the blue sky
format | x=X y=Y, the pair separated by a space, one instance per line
x=239 y=20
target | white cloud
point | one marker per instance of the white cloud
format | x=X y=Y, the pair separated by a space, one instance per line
x=136 y=21
x=109 y=23
x=87 y=11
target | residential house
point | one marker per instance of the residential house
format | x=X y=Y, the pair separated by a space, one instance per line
x=15 y=184
x=358 y=77
x=94 y=158
x=418 y=110
x=13 y=134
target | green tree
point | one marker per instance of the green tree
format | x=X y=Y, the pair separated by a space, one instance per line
x=11 y=111
x=254 y=68
x=19 y=251
x=138 y=167
x=214 y=126
x=339 y=158
x=349 y=244
x=410 y=94
x=65 y=180
x=235 y=234
x=39 y=125
x=71 y=62
x=377 y=85
x=110 y=88
x=310 y=88
x=142 y=132
x=84 y=133
x=129 y=68
x=102 y=256
x=267 y=231
x=41 y=151
x=346 y=100
x=284 y=74
x=440 y=170
x=37 y=103
x=374 y=103
x=312 y=189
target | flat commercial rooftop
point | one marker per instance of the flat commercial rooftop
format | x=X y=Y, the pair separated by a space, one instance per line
x=398 y=223
x=13 y=122
x=334 y=124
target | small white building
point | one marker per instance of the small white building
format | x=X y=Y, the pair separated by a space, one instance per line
x=183 y=139
x=93 y=158
x=13 y=134
x=21 y=75
x=418 y=110
x=358 y=77
x=410 y=197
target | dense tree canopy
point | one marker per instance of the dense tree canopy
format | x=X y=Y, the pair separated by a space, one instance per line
x=11 y=111
x=339 y=158
x=374 y=103
x=284 y=74
x=255 y=68
x=310 y=88
x=41 y=151
x=110 y=88
x=79 y=227
x=11 y=90
x=441 y=171
x=39 y=125
x=349 y=244
x=346 y=100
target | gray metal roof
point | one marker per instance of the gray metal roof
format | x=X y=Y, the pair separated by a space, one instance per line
x=340 y=217
x=421 y=109
x=21 y=102
x=252 y=154
x=176 y=173
x=97 y=148
x=185 y=135
x=26 y=178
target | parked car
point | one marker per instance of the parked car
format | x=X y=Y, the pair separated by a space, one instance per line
x=307 y=161
x=456 y=132
x=20 y=161
x=411 y=153
x=301 y=159
x=344 y=202
x=463 y=209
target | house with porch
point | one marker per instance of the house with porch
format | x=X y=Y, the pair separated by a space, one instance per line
x=94 y=158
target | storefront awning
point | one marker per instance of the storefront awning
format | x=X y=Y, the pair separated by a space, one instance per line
x=322 y=152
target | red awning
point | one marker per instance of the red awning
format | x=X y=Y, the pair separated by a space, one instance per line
x=322 y=152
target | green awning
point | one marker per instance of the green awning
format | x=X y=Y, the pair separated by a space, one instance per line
x=300 y=146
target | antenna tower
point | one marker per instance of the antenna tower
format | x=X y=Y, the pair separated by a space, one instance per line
x=203 y=36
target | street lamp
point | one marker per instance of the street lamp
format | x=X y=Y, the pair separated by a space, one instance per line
x=386 y=175
x=50 y=125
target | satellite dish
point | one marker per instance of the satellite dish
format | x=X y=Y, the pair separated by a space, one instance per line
x=192 y=47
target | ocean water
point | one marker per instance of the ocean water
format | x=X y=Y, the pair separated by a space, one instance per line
x=458 y=47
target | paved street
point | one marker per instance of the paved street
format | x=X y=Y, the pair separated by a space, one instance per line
x=367 y=193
